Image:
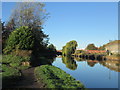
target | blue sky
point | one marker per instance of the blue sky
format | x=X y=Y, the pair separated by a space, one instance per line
x=85 y=22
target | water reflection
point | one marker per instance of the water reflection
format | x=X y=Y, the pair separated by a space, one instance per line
x=92 y=73
x=91 y=63
x=78 y=59
x=70 y=63
x=112 y=65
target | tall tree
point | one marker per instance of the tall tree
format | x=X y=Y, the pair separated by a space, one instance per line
x=5 y=33
x=51 y=47
x=51 y=50
x=33 y=15
x=1 y=36
x=69 y=48
x=91 y=47
x=30 y=14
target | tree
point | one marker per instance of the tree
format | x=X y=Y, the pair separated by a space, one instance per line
x=79 y=51
x=5 y=33
x=32 y=15
x=29 y=14
x=51 y=47
x=69 y=48
x=21 y=38
x=51 y=50
x=1 y=26
x=102 y=47
x=91 y=47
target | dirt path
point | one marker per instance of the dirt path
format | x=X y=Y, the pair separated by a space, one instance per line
x=28 y=80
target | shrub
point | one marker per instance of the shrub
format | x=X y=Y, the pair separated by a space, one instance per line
x=21 y=38
x=14 y=61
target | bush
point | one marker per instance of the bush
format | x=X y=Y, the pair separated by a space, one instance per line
x=14 y=61
x=56 y=78
x=9 y=71
x=21 y=38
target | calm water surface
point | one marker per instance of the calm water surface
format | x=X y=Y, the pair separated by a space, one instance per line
x=92 y=74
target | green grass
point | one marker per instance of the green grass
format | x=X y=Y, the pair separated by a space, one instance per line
x=9 y=75
x=54 y=77
x=11 y=66
x=9 y=71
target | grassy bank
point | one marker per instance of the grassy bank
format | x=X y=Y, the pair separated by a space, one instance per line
x=9 y=75
x=54 y=77
x=11 y=69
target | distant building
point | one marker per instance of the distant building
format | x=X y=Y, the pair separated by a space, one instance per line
x=113 y=47
x=95 y=51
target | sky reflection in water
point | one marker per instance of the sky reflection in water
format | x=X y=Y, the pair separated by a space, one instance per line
x=95 y=74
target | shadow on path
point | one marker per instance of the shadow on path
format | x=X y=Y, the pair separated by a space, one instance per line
x=28 y=80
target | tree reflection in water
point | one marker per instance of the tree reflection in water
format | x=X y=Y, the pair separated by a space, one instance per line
x=69 y=62
x=91 y=64
x=110 y=64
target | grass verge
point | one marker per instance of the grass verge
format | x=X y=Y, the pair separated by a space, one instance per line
x=11 y=67
x=54 y=77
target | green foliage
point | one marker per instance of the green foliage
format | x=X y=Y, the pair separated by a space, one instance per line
x=21 y=38
x=11 y=66
x=69 y=48
x=51 y=47
x=51 y=50
x=79 y=51
x=91 y=47
x=9 y=71
x=54 y=77
x=9 y=75
x=32 y=15
x=14 y=61
x=5 y=33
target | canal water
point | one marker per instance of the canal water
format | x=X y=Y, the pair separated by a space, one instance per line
x=93 y=74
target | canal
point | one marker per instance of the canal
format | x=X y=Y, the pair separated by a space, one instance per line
x=93 y=74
